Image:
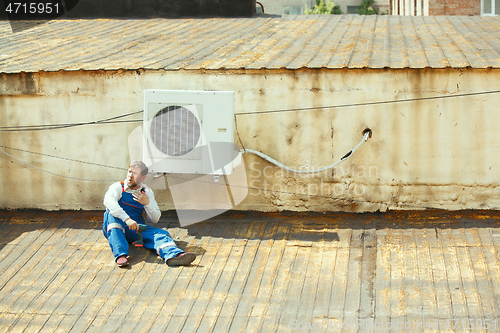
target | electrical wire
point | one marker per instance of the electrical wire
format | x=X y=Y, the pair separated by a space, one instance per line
x=56 y=174
x=64 y=158
x=369 y=103
x=58 y=126
x=107 y=121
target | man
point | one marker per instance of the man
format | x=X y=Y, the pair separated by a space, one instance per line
x=125 y=202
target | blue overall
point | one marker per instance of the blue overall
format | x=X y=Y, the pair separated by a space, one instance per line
x=119 y=235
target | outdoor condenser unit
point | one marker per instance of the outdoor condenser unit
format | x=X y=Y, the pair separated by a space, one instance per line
x=189 y=132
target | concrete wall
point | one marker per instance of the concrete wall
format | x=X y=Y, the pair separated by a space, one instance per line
x=441 y=153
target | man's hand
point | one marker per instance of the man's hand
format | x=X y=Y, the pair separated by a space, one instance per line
x=132 y=225
x=141 y=198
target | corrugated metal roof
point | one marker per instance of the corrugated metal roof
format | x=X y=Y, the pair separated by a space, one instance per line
x=311 y=41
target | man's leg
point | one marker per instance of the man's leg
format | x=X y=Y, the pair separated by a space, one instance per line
x=160 y=240
x=115 y=230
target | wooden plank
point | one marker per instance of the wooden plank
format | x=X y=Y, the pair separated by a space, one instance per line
x=411 y=281
x=427 y=290
x=142 y=276
x=21 y=323
x=279 y=290
x=443 y=296
x=303 y=299
x=119 y=300
x=221 y=289
x=176 y=323
x=383 y=277
x=72 y=304
x=244 y=245
x=344 y=235
x=324 y=290
x=367 y=298
x=52 y=323
x=83 y=274
x=119 y=319
x=28 y=289
x=96 y=323
x=114 y=322
x=492 y=264
x=183 y=294
x=41 y=283
x=139 y=326
x=252 y=324
x=10 y=232
x=398 y=306
x=473 y=300
x=161 y=279
x=277 y=240
x=194 y=289
x=25 y=255
x=15 y=233
x=68 y=277
x=483 y=282
x=339 y=284
x=177 y=280
x=208 y=289
x=37 y=322
x=453 y=276
x=249 y=293
x=207 y=324
x=291 y=301
x=168 y=280
x=65 y=324
x=312 y=278
x=466 y=247
x=238 y=293
x=353 y=287
x=271 y=268
x=89 y=305
x=7 y=320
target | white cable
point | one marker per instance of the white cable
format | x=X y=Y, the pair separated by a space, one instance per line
x=346 y=156
x=55 y=174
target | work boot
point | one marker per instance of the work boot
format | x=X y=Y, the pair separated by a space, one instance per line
x=182 y=259
x=122 y=261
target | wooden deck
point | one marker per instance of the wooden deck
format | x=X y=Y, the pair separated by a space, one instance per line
x=255 y=272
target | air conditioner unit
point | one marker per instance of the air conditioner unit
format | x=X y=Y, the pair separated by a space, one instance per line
x=189 y=132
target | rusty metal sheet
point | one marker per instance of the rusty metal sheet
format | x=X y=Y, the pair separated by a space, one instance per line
x=291 y=42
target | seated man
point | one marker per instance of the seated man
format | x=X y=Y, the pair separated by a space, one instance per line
x=125 y=202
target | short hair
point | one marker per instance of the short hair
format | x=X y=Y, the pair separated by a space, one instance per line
x=140 y=164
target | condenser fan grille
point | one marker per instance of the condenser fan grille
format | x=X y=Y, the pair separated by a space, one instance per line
x=175 y=130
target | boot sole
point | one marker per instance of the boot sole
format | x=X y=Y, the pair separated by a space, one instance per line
x=184 y=260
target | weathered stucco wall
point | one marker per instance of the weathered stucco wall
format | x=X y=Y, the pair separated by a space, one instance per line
x=441 y=153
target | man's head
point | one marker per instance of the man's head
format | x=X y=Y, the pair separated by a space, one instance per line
x=137 y=172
